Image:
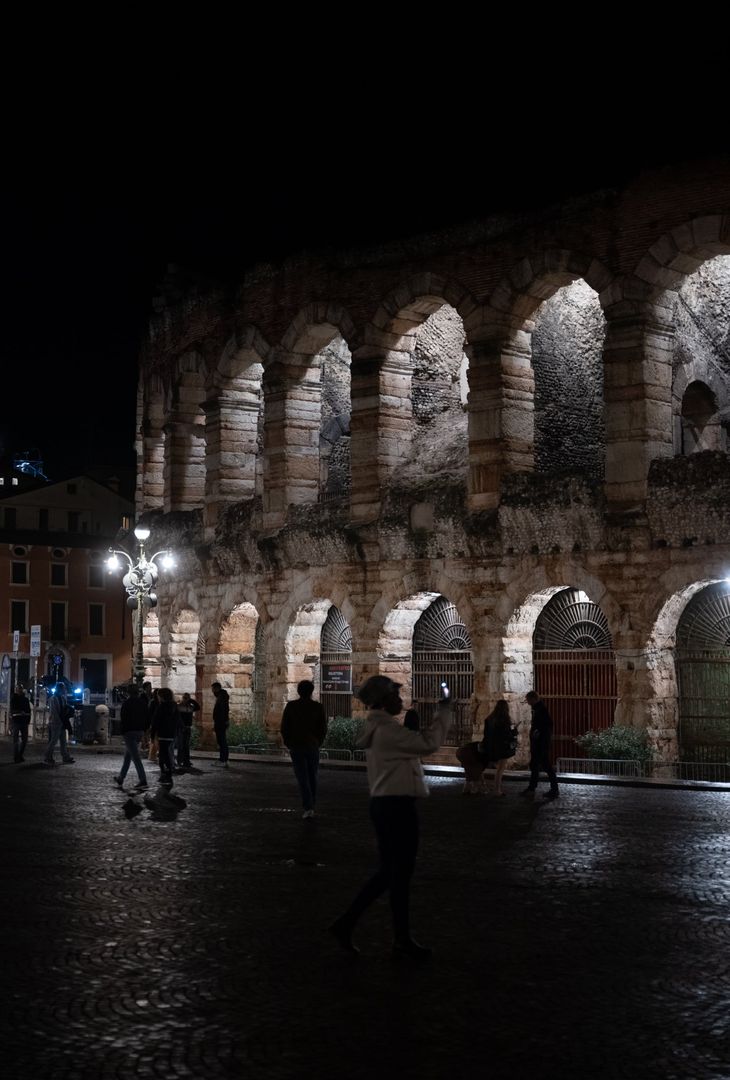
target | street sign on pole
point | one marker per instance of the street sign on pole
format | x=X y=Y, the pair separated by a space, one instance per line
x=35 y=641
x=16 y=641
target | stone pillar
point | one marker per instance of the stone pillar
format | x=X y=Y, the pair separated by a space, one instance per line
x=638 y=407
x=381 y=427
x=231 y=427
x=501 y=417
x=292 y=419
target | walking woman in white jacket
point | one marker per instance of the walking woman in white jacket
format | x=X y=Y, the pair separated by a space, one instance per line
x=396 y=780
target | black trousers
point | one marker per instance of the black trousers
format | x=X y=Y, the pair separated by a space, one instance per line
x=395 y=820
x=540 y=762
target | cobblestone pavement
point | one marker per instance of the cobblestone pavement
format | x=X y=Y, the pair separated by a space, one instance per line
x=585 y=938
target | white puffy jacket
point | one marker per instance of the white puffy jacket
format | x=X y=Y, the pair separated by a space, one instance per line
x=393 y=752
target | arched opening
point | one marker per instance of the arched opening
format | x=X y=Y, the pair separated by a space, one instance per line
x=567 y=360
x=235 y=659
x=437 y=442
x=703 y=675
x=234 y=426
x=334 y=431
x=574 y=668
x=335 y=670
x=303 y=645
x=442 y=654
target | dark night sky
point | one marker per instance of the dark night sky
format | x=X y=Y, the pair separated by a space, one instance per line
x=91 y=221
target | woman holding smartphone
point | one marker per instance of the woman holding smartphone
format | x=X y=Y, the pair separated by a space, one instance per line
x=396 y=781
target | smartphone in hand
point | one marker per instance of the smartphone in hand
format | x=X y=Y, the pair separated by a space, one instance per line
x=445 y=692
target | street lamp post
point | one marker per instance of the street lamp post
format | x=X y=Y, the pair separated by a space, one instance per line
x=140 y=581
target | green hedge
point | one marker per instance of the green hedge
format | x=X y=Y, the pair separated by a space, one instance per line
x=618 y=743
x=248 y=733
x=342 y=732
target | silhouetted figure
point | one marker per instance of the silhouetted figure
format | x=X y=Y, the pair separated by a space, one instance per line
x=220 y=723
x=134 y=722
x=412 y=720
x=163 y=728
x=186 y=710
x=59 y=717
x=303 y=728
x=19 y=721
x=541 y=732
x=498 y=744
x=396 y=780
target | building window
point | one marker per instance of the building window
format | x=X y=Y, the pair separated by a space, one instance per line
x=19 y=551
x=58 y=574
x=19 y=573
x=96 y=576
x=73 y=521
x=10 y=517
x=96 y=620
x=43 y=519
x=58 y=620
x=19 y=615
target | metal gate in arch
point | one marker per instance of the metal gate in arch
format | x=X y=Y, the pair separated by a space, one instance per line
x=575 y=668
x=703 y=675
x=335 y=665
x=442 y=653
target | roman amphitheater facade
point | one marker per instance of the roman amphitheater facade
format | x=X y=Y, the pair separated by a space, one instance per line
x=495 y=455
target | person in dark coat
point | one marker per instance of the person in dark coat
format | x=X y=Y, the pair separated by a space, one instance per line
x=220 y=723
x=163 y=728
x=186 y=710
x=303 y=729
x=19 y=720
x=134 y=717
x=541 y=733
x=498 y=743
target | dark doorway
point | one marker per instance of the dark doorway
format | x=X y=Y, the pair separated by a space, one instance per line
x=94 y=675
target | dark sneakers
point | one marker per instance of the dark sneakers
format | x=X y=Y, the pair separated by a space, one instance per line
x=528 y=793
x=552 y=794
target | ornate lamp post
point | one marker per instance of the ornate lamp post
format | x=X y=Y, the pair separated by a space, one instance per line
x=140 y=581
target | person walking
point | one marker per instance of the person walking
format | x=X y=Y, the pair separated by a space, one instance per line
x=303 y=729
x=220 y=723
x=153 y=703
x=541 y=732
x=163 y=726
x=186 y=711
x=59 y=716
x=396 y=781
x=498 y=744
x=134 y=717
x=19 y=721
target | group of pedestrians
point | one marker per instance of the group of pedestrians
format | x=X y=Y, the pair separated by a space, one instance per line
x=393 y=752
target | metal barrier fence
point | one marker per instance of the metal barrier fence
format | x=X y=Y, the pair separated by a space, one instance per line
x=326 y=753
x=717 y=772
x=601 y=766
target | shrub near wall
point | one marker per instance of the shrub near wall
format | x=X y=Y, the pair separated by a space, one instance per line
x=616 y=743
x=342 y=733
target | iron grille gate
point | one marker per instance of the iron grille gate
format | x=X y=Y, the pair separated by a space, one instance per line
x=703 y=674
x=704 y=706
x=335 y=660
x=575 y=668
x=456 y=669
x=579 y=688
x=442 y=653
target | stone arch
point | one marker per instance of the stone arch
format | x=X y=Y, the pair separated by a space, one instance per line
x=502 y=378
x=303 y=643
x=184 y=472
x=410 y=391
x=639 y=353
x=234 y=423
x=232 y=661
x=662 y=704
x=307 y=412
